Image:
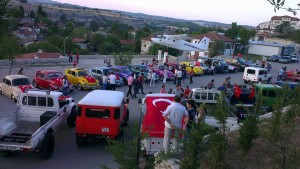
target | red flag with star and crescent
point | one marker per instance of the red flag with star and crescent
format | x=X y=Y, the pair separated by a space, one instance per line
x=237 y=91
x=252 y=94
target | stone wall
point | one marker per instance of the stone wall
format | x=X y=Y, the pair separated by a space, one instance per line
x=40 y=61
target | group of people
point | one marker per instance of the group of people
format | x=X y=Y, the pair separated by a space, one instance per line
x=109 y=82
x=137 y=83
x=76 y=60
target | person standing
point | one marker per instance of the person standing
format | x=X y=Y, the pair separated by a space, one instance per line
x=186 y=92
x=129 y=83
x=77 y=57
x=65 y=85
x=173 y=123
x=191 y=75
x=192 y=111
x=280 y=74
x=178 y=91
x=153 y=78
x=211 y=84
x=149 y=75
x=269 y=67
x=212 y=69
x=20 y=72
x=105 y=81
x=112 y=81
x=175 y=78
x=105 y=60
x=183 y=73
x=74 y=63
x=179 y=76
x=141 y=82
x=135 y=84
x=163 y=89
x=165 y=75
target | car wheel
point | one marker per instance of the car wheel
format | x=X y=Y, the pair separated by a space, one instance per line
x=34 y=84
x=47 y=146
x=13 y=98
x=81 y=141
x=79 y=86
x=246 y=81
x=161 y=78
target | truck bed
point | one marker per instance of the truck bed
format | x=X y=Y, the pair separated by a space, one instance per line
x=22 y=133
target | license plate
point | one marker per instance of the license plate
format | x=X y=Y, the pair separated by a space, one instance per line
x=11 y=148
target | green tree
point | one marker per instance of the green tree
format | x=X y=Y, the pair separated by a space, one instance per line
x=17 y=12
x=63 y=18
x=31 y=15
x=94 y=26
x=233 y=31
x=217 y=48
x=284 y=29
x=95 y=40
x=41 y=12
x=45 y=46
x=9 y=47
x=123 y=59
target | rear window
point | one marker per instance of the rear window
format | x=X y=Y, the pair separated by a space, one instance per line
x=251 y=71
x=31 y=101
x=97 y=113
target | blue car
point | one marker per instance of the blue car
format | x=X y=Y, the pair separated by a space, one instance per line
x=291 y=85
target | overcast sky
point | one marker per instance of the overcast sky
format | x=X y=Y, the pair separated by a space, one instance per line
x=244 y=12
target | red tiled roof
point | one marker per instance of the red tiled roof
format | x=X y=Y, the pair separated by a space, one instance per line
x=213 y=36
x=40 y=24
x=127 y=42
x=147 y=38
x=286 y=16
x=79 y=40
x=40 y=55
x=264 y=34
x=25 y=32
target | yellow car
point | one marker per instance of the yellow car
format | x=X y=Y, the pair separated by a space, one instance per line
x=80 y=78
x=197 y=69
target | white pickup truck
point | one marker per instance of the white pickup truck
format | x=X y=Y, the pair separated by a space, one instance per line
x=30 y=127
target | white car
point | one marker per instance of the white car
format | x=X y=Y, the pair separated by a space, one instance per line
x=254 y=74
x=13 y=85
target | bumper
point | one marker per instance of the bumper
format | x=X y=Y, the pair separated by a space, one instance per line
x=91 y=86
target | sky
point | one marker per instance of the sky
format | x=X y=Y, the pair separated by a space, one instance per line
x=244 y=12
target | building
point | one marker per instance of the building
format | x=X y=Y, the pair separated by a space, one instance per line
x=145 y=45
x=265 y=48
x=270 y=26
x=81 y=42
x=213 y=36
x=37 y=55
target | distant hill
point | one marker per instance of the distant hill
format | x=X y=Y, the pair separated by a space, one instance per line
x=44 y=1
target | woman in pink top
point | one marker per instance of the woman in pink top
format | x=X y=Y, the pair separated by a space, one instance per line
x=163 y=89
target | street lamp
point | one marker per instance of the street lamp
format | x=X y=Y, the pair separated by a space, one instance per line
x=65 y=46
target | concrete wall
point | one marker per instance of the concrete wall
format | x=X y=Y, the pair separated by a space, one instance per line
x=264 y=50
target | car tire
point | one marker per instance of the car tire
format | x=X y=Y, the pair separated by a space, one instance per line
x=81 y=141
x=13 y=98
x=71 y=120
x=79 y=86
x=48 y=145
x=34 y=84
x=124 y=80
x=246 y=81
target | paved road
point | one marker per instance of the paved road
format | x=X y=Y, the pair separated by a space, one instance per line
x=66 y=154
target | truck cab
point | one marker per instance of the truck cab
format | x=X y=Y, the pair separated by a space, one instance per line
x=269 y=93
x=100 y=116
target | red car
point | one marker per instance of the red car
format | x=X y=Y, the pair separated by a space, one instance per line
x=50 y=79
x=293 y=75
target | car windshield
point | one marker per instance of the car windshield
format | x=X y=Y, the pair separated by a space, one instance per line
x=20 y=81
x=125 y=70
x=82 y=73
x=223 y=63
x=107 y=71
x=241 y=60
x=55 y=75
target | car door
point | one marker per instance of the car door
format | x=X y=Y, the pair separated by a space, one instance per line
x=72 y=77
x=4 y=86
x=43 y=83
x=8 y=87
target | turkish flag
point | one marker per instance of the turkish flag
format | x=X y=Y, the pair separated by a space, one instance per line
x=240 y=55
x=252 y=94
x=237 y=91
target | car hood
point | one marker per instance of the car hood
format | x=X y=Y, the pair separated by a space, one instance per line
x=22 y=88
x=58 y=81
x=89 y=79
x=123 y=75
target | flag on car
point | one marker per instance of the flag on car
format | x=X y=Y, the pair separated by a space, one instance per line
x=237 y=91
x=252 y=94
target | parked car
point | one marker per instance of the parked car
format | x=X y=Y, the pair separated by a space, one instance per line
x=254 y=74
x=235 y=61
x=51 y=80
x=203 y=66
x=160 y=72
x=98 y=116
x=291 y=85
x=123 y=72
x=295 y=58
x=31 y=127
x=241 y=111
x=274 y=58
x=269 y=93
x=292 y=75
x=98 y=73
x=197 y=69
x=251 y=63
x=138 y=69
x=230 y=68
x=13 y=85
x=285 y=59
x=80 y=78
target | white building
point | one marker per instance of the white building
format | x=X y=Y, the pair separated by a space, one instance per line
x=264 y=48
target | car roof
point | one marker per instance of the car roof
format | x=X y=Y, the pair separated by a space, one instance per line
x=100 y=98
x=102 y=68
x=42 y=93
x=256 y=68
x=12 y=77
x=268 y=86
x=49 y=71
x=76 y=69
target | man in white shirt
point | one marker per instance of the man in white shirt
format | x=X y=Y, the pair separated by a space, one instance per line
x=112 y=81
x=165 y=75
x=280 y=74
x=173 y=123
x=105 y=81
x=179 y=76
